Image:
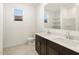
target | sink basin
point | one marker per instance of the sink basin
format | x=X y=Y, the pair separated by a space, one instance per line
x=76 y=41
x=47 y=33
x=68 y=42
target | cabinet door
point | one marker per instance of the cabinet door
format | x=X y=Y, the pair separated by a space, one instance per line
x=52 y=48
x=43 y=46
x=38 y=44
x=51 y=51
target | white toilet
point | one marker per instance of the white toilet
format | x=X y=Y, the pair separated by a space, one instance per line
x=30 y=40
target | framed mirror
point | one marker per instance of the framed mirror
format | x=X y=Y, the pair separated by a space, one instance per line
x=61 y=16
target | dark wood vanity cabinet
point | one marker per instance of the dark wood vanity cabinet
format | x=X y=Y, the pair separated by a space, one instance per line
x=43 y=46
x=59 y=49
x=40 y=45
x=66 y=51
x=52 y=48
x=46 y=47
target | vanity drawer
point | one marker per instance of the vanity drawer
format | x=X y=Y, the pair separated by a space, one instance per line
x=55 y=48
x=51 y=51
x=66 y=51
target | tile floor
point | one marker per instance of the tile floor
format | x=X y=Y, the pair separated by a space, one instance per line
x=24 y=49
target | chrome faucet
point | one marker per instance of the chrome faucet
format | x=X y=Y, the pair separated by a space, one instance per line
x=48 y=32
x=68 y=36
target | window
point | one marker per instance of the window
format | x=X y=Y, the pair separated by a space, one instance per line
x=18 y=14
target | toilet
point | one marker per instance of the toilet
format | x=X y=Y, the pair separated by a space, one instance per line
x=30 y=40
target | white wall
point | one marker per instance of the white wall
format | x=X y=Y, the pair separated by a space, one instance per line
x=16 y=32
x=40 y=18
x=77 y=14
x=1 y=29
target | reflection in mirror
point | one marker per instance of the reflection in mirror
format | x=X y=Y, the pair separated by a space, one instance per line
x=45 y=17
x=61 y=16
x=53 y=19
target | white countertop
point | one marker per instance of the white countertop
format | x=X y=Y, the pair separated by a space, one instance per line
x=70 y=44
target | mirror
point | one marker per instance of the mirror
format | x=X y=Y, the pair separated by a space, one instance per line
x=61 y=16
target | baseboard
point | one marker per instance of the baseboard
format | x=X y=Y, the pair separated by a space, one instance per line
x=20 y=43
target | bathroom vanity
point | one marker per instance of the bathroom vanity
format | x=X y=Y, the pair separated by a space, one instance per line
x=59 y=17
x=49 y=45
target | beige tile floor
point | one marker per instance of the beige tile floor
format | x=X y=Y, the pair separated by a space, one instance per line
x=1 y=51
x=24 y=49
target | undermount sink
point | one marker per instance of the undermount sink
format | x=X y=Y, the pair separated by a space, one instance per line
x=68 y=41
x=76 y=41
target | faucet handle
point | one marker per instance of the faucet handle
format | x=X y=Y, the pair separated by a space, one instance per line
x=67 y=35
